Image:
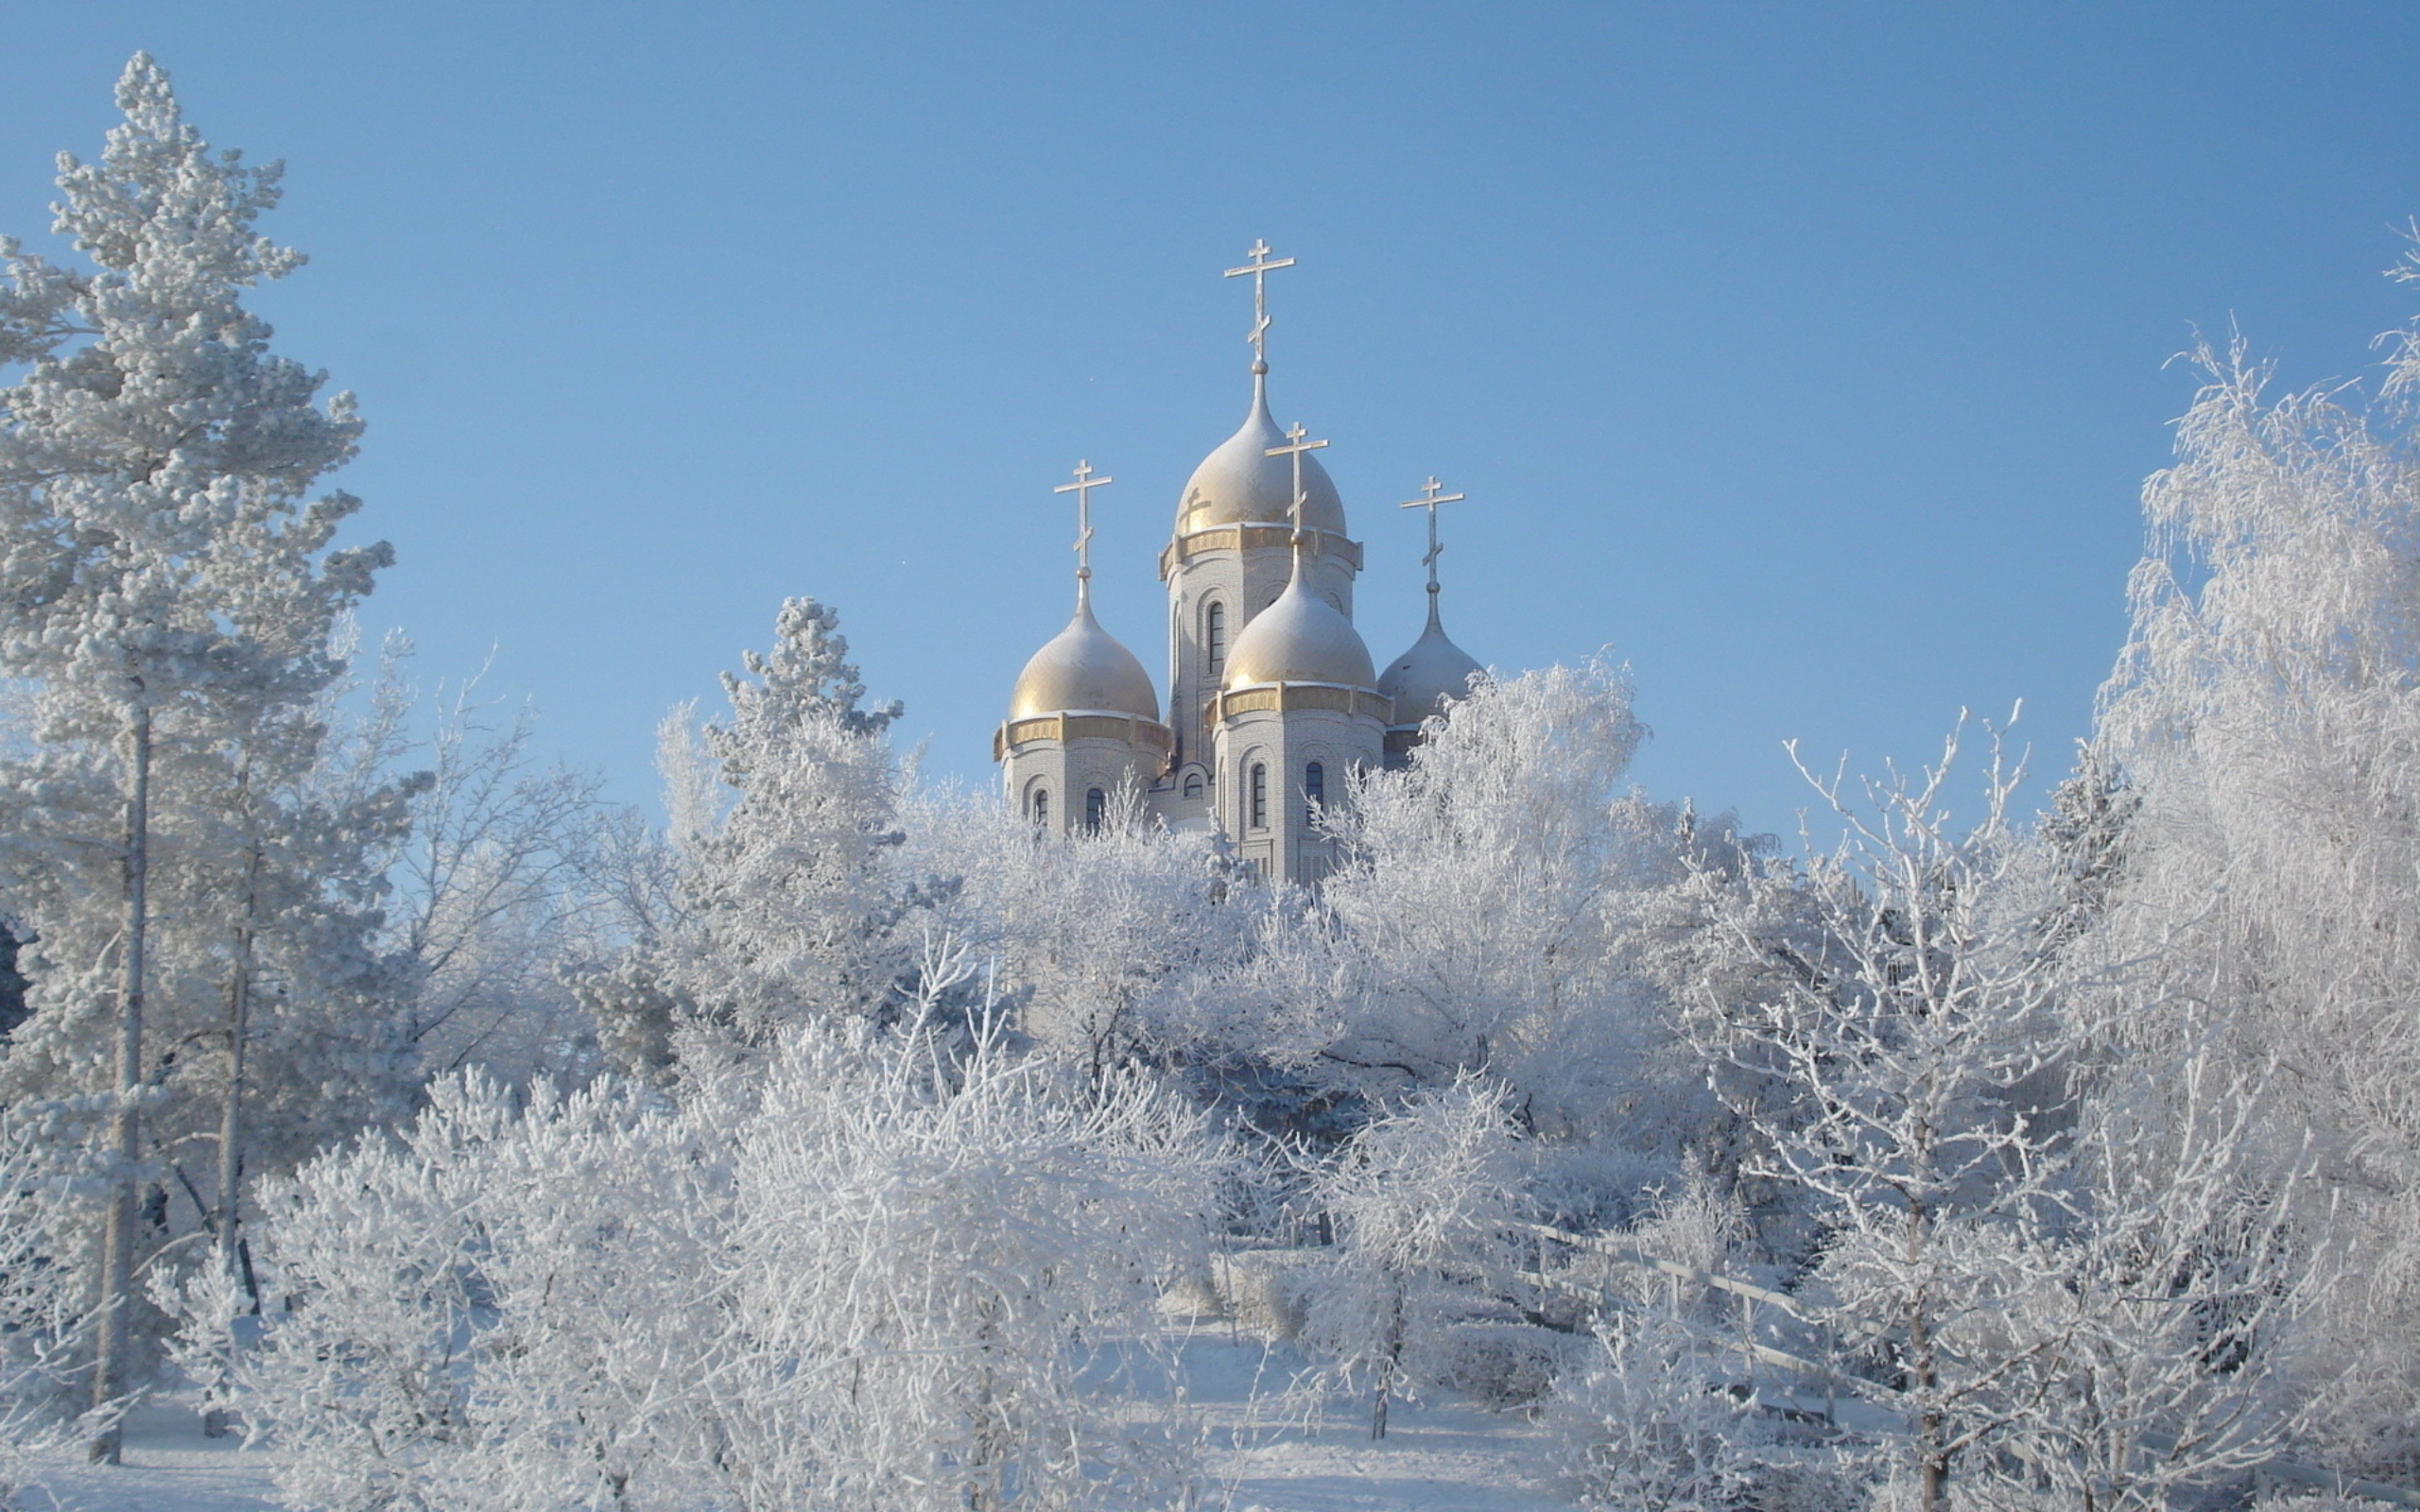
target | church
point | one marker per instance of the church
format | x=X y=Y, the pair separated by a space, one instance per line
x=1272 y=697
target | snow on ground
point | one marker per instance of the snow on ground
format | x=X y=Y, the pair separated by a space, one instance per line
x=1275 y=1448
x=1438 y=1456
x=169 y=1467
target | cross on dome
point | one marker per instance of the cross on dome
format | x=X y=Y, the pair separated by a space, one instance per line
x=1259 y=267
x=1429 y=499
x=1295 y=446
x=1083 y=488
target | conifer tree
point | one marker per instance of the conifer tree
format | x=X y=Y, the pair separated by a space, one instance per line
x=170 y=590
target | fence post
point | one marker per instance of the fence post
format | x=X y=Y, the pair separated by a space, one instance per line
x=1748 y=1337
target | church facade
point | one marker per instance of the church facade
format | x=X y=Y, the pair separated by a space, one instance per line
x=1272 y=697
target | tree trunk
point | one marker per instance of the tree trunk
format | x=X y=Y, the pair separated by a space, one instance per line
x=112 y=1363
x=226 y=1226
x=1390 y=1342
x=1932 y=1460
x=231 y=1107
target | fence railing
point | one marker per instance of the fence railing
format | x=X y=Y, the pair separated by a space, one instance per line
x=1828 y=1379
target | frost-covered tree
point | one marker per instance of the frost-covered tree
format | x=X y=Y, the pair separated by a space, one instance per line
x=495 y=896
x=1477 y=894
x=877 y=1275
x=2177 y=1352
x=1490 y=912
x=788 y=909
x=1650 y=1419
x=1419 y=1197
x=170 y=590
x=1112 y=946
x=1917 y=1052
x=2262 y=723
x=44 y=1313
x=2049 y=1230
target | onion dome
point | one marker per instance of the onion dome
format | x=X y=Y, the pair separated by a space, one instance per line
x=1432 y=672
x=1242 y=483
x=1083 y=669
x=1300 y=638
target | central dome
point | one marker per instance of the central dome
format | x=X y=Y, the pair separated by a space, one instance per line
x=1300 y=639
x=1240 y=483
x=1083 y=670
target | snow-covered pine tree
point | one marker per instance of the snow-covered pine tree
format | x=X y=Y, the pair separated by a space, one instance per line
x=782 y=818
x=170 y=590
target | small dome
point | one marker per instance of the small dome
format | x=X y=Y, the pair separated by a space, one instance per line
x=1083 y=668
x=1433 y=671
x=1241 y=482
x=1300 y=638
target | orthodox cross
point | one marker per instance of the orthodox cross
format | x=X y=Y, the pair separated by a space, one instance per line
x=1083 y=488
x=1429 y=499
x=1260 y=268
x=1295 y=446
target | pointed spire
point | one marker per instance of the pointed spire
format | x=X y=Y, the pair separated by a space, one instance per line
x=1083 y=488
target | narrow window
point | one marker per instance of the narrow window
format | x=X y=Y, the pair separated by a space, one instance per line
x=1214 y=637
x=1314 y=792
x=1096 y=810
x=1042 y=808
x=1193 y=785
x=1259 y=788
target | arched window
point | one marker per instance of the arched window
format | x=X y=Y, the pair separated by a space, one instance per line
x=1193 y=785
x=1314 y=792
x=1095 y=809
x=1041 y=808
x=1259 y=791
x=1214 y=637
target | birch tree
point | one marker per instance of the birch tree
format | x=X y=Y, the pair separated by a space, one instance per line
x=2262 y=720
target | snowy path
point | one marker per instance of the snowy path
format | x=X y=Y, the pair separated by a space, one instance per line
x=170 y=1467
x=1437 y=1457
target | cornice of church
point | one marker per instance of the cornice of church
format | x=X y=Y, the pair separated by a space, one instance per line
x=1071 y=725
x=1288 y=698
x=1254 y=536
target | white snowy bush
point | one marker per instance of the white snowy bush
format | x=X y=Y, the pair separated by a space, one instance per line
x=1112 y=945
x=1420 y=1198
x=882 y=1276
x=45 y=1324
x=1656 y=1418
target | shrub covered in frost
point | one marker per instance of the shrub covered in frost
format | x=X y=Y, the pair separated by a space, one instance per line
x=44 y=1329
x=1653 y=1419
x=882 y=1276
x=1420 y=1198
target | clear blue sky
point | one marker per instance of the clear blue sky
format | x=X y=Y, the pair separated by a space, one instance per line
x=1809 y=356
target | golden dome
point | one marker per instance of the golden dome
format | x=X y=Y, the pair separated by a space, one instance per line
x=1083 y=670
x=1432 y=672
x=1242 y=483
x=1300 y=638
